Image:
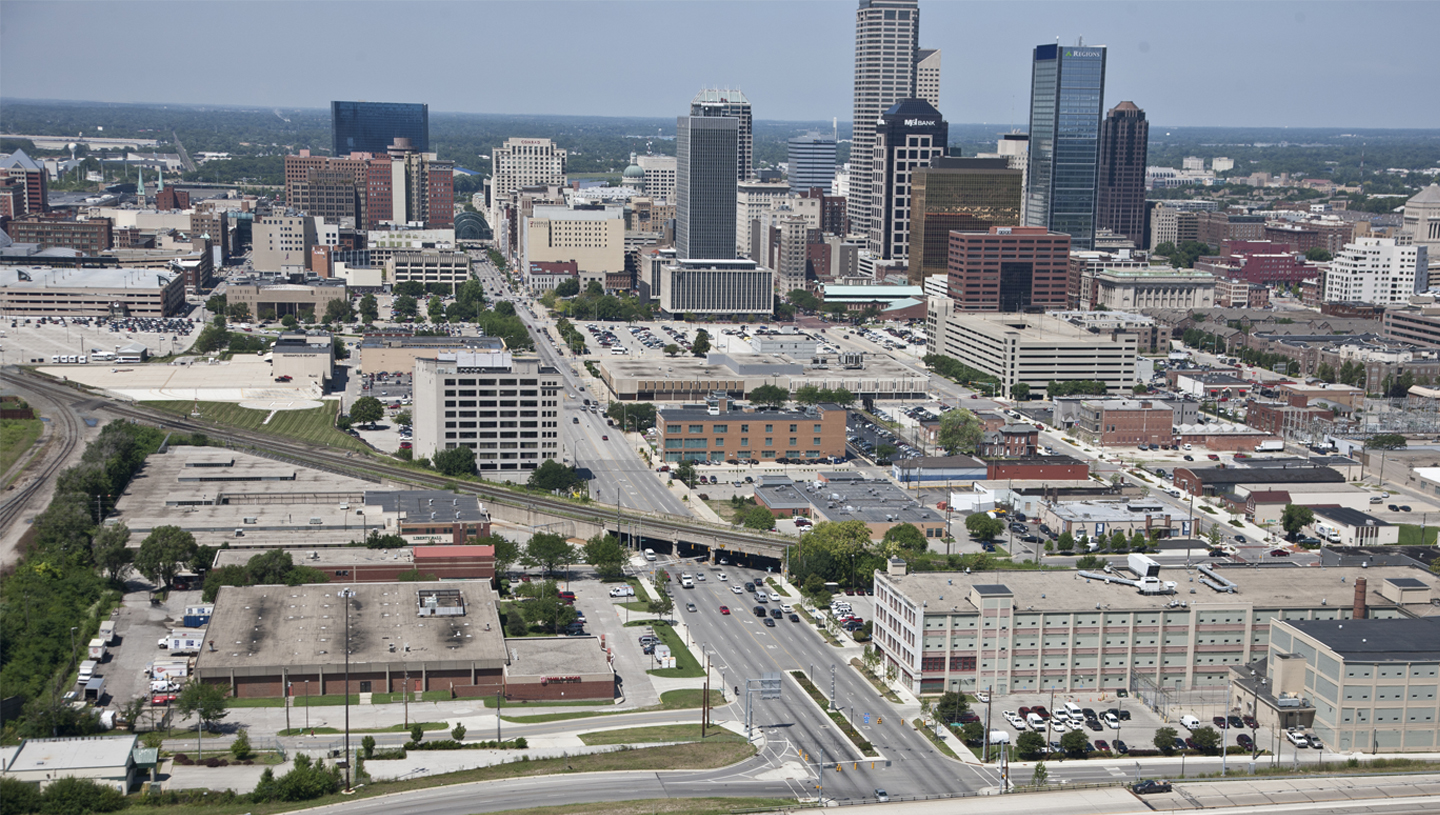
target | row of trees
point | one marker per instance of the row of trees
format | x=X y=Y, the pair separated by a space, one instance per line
x=1185 y=254
x=956 y=371
x=274 y=567
x=1076 y=387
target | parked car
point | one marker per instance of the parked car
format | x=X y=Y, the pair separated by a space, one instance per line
x=1149 y=786
x=1296 y=738
x=1121 y=747
x=1245 y=741
x=1250 y=722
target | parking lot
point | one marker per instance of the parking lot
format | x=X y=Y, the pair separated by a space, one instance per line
x=32 y=342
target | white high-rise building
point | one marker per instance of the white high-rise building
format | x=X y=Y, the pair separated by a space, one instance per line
x=659 y=176
x=523 y=163
x=1377 y=271
x=887 y=52
x=927 y=75
x=751 y=199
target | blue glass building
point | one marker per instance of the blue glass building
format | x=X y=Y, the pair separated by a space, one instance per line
x=371 y=127
x=1067 y=90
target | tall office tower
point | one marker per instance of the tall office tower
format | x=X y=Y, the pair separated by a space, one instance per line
x=718 y=102
x=29 y=185
x=705 y=148
x=1067 y=87
x=811 y=162
x=887 y=38
x=909 y=135
x=964 y=194
x=1120 y=198
x=927 y=75
x=371 y=127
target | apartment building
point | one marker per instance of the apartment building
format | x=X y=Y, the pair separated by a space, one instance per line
x=1378 y=271
x=1027 y=631
x=50 y=231
x=594 y=239
x=504 y=408
x=1125 y=422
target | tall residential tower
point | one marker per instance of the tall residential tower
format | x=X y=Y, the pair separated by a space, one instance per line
x=1120 y=204
x=887 y=61
x=1067 y=89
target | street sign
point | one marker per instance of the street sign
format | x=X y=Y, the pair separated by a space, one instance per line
x=770 y=686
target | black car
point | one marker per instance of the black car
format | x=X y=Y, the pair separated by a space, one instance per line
x=794 y=618
x=1235 y=721
x=1120 y=746
x=1393 y=508
x=777 y=613
x=770 y=623
x=1089 y=713
x=1404 y=507
x=1245 y=741
x=1094 y=725
x=1150 y=785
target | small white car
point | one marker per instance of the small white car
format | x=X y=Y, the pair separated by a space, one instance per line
x=786 y=608
x=983 y=697
x=1111 y=721
x=738 y=589
x=720 y=576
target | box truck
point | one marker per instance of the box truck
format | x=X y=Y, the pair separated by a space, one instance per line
x=97 y=649
x=1271 y=446
x=107 y=632
x=186 y=641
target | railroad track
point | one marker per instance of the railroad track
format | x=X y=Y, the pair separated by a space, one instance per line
x=656 y=525
x=65 y=432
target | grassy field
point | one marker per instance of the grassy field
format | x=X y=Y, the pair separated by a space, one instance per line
x=659 y=733
x=689 y=698
x=1410 y=535
x=695 y=756
x=316 y=426
x=556 y=717
x=17 y=436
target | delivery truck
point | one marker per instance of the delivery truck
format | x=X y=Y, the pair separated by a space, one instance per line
x=1271 y=446
x=97 y=649
x=107 y=632
x=185 y=641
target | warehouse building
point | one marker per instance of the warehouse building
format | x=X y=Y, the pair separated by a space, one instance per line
x=845 y=496
x=397 y=352
x=1361 y=685
x=1026 y=631
x=43 y=291
x=265 y=641
x=358 y=564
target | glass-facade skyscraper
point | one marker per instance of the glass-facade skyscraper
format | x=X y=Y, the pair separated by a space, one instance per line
x=371 y=127
x=1067 y=90
x=958 y=194
x=810 y=162
x=731 y=102
x=705 y=186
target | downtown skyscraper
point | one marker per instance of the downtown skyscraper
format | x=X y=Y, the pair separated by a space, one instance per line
x=731 y=102
x=1067 y=90
x=1124 y=148
x=887 y=65
x=705 y=186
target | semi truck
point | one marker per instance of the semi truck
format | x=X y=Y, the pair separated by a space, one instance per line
x=1271 y=446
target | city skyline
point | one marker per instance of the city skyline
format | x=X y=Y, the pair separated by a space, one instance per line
x=1186 y=63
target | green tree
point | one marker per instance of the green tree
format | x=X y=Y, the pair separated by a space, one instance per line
x=1073 y=743
x=112 y=553
x=672 y=349
x=367 y=746
x=369 y=308
x=1165 y=740
x=436 y=309
x=960 y=431
x=1206 y=738
x=568 y=288
x=905 y=536
x=240 y=747
x=406 y=307
x=633 y=416
x=758 y=517
x=808 y=395
x=1294 y=518
x=1066 y=541
x=238 y=312
x=1020 y=392
x=685 y=473
x=771 y=395
x=290 y=321
x=215 y=304
x=163 y=553
x=605 y=553
x=982 y=527
x=339 y=311
x=410 y=288
x=212 y=338
x=1385 y=441
x=367 y=410
x=206 y=702
x=973 y=733
x=403 y=418
x=1030 y=744
x=456 y=461
x=701 y=346
x=507 y=552
x=950 y=707
x=68 y=795
x=1318 y=254
x=417 y=733
x=552 y=476
x=548 y=551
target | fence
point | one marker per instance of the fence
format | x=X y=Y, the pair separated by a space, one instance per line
x=1060 y=786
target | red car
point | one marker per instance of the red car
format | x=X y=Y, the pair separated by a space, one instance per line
x=725 y=610
x=1212 y=457
x=163 y=698
x=604 y=438
x=1220 y=722
x=1039 y=710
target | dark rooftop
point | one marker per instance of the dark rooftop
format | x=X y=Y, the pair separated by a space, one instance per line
x=1266 y=475
x=1348 y=516
x=1393 y=640
x=992 y=588
x=1406 y=582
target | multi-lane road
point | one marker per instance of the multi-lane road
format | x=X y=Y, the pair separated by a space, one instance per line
x=618 y=474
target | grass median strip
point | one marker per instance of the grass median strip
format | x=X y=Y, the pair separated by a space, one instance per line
x=659 y=733
x=934 y=739
x=866 y=748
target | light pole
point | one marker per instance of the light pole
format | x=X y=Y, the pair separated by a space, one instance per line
x=346 y=594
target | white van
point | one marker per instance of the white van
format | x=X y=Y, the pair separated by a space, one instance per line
x=1190 y=722
x=1036 y=721
x=649 y=554
x=1076 y=713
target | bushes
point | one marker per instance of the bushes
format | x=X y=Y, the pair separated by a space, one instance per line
x=66 y=796
x=452 y=744
x=306 y=781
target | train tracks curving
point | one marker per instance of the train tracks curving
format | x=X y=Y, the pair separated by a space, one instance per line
x=65 y=435
x=654 y=525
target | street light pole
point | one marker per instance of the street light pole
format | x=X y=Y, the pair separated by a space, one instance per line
x=346 y=594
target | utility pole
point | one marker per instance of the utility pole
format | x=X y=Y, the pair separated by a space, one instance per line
x=289 y=692
x=346 y=594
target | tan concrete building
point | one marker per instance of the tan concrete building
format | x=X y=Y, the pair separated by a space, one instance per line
x=593 y=238
x=429 y=266
x=42 y=291
x=110 y=761
x=1151 y=287
x=265 y=297
x=398 y=352
x=504 y=408
x=282 y=242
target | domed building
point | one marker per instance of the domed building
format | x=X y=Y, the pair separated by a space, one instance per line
x=634 y=176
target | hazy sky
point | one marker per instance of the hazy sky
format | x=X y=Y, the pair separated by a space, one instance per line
x=1299 y=64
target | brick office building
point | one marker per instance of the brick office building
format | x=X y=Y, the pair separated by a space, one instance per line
x=1327 y=234
x=89 y=237
x=1110 y=422
x=1009 y=269
x=1036 y=468
x=1009 y=440
x=717 y=431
